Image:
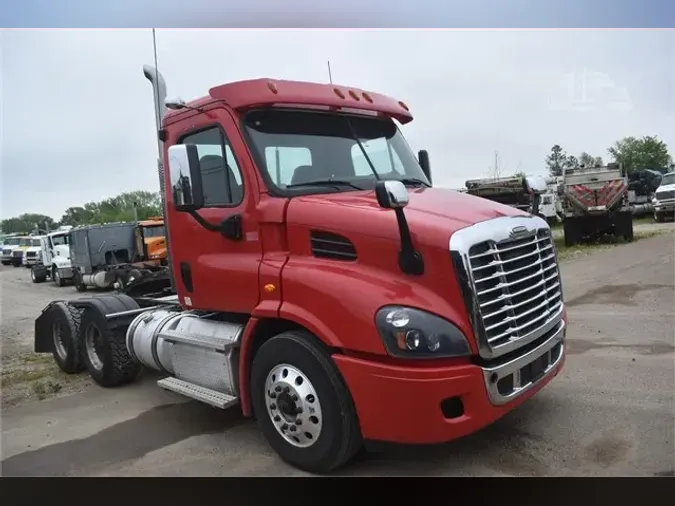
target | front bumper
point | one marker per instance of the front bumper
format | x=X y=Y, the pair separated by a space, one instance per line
x=65 y=272
x=30 y=260
x=667 y=206
x=419 y=405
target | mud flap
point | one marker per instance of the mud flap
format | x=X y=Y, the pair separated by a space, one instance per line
x=43 y=342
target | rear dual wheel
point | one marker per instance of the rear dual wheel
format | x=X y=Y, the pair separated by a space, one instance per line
x=302 y=404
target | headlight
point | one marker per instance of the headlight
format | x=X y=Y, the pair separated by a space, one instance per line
x=412 y=333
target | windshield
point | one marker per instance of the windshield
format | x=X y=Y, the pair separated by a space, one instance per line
x=154 y=231
x=299 y=147
x=24 y=242
x=15 y=241
x=59 y=240
x=668 y=179
x=35 y=242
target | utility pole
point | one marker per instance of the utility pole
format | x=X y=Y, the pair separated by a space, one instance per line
x=330 y=76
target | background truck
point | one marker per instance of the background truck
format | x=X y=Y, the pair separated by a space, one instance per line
x=595 y=203
x=664 y=198
x=519 y=191
x=54 y=261
x=113 y=254
x=151 y=241
x=337 y=306
x=641 y=187
x=31 y=255
x=9 y=245
x=16 y=258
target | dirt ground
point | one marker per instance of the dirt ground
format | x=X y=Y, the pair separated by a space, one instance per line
x=609 y=413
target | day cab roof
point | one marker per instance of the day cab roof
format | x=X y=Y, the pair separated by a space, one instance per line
x=265 y=92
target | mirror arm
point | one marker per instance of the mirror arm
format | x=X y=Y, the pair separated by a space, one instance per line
x=409 y=260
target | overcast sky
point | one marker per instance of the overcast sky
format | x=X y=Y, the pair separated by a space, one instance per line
x=77 y=113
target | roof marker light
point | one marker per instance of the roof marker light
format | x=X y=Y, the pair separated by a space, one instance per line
x=353 y=94
x=367 y=97
x=339 y=93
x=402 y=104
x=272 y=87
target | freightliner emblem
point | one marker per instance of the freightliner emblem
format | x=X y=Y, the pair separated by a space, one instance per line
x=518 y=231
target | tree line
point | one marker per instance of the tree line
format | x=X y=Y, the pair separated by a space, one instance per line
x=633 y=153
x=114 y=209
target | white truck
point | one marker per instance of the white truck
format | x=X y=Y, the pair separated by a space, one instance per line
x=9 y=244
x=664 y=198
x=32 y=254
x=55 y=260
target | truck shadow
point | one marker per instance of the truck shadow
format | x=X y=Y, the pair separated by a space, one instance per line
x=504 y=447
x=152 y=430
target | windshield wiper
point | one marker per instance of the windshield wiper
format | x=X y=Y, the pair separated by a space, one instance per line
x=413 y=180
x=326 y=182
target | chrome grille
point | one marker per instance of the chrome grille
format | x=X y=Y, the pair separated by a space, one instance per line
x=31 y=254
x=517 y=285
x=665 y=195
x=17 y=253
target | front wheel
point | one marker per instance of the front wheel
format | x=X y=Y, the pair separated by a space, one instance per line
x=658 y=217
x=56 y=277
x=302 y=404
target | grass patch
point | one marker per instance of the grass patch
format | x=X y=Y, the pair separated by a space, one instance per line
x=604 y=243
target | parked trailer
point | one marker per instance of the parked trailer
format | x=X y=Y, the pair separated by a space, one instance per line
x=519 y=191
x=595 y=203
x=339 y=307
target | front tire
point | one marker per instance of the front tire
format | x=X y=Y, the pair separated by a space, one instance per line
x=38 y=274
x=302 y=404
x=56 y=277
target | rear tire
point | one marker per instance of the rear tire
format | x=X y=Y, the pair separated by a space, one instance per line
x=38 y=274
x=571 y=231
x=65 y=323
x=328 y=410
x=77 y=281
x=104 y=351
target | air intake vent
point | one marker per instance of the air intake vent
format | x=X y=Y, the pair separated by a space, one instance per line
x=333 y=246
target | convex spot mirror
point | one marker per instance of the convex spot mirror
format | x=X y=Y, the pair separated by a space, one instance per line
x=185 y=177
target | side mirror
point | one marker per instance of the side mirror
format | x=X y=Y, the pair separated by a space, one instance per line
x=185 y=178
x=391 y=194
x=423 y=159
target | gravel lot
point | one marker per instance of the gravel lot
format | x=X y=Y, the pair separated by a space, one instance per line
x=609 y=413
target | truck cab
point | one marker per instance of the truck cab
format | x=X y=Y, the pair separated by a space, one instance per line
x=322 y=283
x=151 y=240
x=664 y=198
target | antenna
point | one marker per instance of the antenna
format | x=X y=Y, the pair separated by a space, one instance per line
x=330 y=76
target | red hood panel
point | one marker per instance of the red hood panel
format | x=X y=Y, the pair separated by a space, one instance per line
x=433 y=214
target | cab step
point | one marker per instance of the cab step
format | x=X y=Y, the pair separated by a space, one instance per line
x=206 y=395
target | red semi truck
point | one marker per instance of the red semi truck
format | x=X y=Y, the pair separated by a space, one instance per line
x=321 y=283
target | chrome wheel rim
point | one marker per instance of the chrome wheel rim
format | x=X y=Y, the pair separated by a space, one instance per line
x=92 y=342
x=58 y=335
x=293 y=406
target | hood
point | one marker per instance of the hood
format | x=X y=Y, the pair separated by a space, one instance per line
x=10 y=247
x=33 y=248
x=666 y=187
x=433 y=214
